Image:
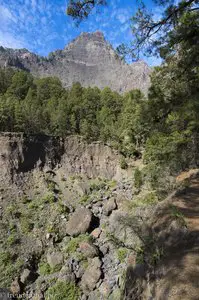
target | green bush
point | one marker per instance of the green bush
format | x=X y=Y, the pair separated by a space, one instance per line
x=8 y=268
x=121 y=254
x=44 y=268
x=13 y=239
x=48 y=198
x=26 y=224
x=148 y=199
x=97 y=185
x=73 y=244
x=63 y=291
x=123 y=163
x=138 y=181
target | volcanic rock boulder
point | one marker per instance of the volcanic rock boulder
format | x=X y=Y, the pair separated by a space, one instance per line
x=79 y=222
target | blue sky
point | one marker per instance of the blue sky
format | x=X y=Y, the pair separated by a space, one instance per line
x=42 y=26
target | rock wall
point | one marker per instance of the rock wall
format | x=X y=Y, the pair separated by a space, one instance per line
x=21 y=153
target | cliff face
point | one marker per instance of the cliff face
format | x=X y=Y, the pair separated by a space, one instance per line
x=21 y=154
x=89 y=59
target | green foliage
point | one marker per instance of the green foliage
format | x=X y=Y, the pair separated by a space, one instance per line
x=147 y=199
x=48 y=198
x=123 y=163
x=97 y=185
x=84 y=199
x=9 y=268
x=138 y=180
x=122 y=254
x=26 y=224
x=44 y=268
x=178 y=215
x=73 y=244
x=13 y=239
x=63 y=290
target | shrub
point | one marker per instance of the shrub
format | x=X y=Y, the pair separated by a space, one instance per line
x=62 y=291
x=97 y=185
x=123 y=163
x=8 y=268
x=44 y=268
x=25 y=199
x=84 y=199
x=13 y=239
x=74 y=243
x=5 y=258
x=26 y=224
x=178 y=215
x=138 y=181
x=148 y=199
x=121 y=254
x=48 y=198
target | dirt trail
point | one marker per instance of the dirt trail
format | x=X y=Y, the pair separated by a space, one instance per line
x=179 y=271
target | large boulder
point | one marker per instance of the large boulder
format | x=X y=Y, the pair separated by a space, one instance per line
x=91 y=276
x=79 y=222
x=122 y=229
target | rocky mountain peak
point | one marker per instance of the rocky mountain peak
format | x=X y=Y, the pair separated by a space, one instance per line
x=96 y=36
x=88 y=59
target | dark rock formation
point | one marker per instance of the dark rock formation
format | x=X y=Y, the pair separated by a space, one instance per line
x=89 y=59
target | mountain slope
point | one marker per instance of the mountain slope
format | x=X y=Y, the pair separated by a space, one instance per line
x=89 y=59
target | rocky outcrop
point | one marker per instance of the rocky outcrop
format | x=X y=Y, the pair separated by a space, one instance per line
x=62 y=203
x=79 y=222
x=89 y=59
x=20 y=154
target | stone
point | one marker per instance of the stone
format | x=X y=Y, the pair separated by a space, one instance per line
x=105 y=290
x=15 y=287
x=109 y=206
x=88 y=249
x=66 y=274
x=80 y=272
x=91 y=276
x=122 y=231
x=55 y=259
x=79 y=222
x=48 y=236
x=38 y=296
x=25 y=276
x=82 y=187
x=96 y=233
x=95 y=210
x=104 y=249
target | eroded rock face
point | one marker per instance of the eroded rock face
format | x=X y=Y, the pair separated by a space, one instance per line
x=89 y=59
x=79 y=222
x=20 y=154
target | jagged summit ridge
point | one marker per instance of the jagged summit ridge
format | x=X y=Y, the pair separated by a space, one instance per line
x=88 y=59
